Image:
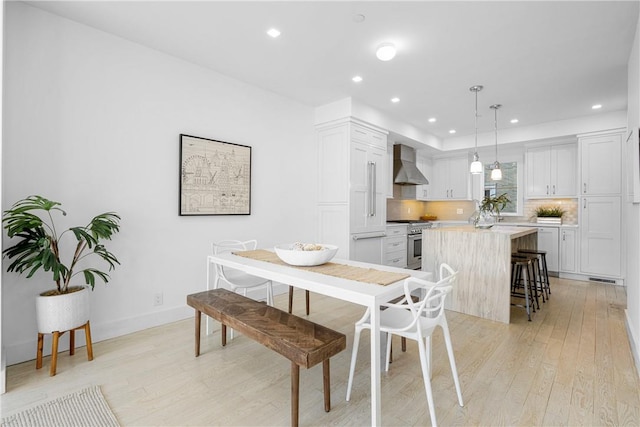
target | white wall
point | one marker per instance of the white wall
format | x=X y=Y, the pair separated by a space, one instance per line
x=3 y=360
x=93 y=121
x=632 y=211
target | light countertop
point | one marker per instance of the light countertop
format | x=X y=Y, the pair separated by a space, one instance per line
x=508 y=230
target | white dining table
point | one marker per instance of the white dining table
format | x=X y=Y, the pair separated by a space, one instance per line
x=365 y=294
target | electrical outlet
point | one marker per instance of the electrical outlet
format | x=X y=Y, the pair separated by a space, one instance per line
x=157 y=299
x=460 y=211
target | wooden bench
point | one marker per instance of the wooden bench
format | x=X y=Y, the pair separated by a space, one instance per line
x=301 y=341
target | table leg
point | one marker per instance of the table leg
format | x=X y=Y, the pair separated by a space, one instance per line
x=376 y=405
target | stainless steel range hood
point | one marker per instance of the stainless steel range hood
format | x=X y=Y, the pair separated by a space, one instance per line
x=405 y=171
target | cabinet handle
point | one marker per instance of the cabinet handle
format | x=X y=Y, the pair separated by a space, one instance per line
x=584 y=203
x=372 y=188
x=585 y=188
x=547 y=190
x=564 y=235
x=452 y=193
x=554 y=188
x=375 y=236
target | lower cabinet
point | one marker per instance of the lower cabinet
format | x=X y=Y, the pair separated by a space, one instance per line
x=600 y=238
x=568 y=250
x=395 y=247
x=367 y=248
x=548 y=241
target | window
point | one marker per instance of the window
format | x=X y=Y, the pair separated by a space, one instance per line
x=508 y=184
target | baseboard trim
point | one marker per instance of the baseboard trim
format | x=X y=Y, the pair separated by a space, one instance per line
x=633 y=340
x=26 y=350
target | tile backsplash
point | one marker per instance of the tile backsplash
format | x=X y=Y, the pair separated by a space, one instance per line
x=462 y=210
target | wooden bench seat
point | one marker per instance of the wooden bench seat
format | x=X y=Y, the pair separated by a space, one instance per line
x=301 y=341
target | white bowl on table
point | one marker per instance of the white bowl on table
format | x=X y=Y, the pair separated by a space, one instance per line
x=288 y=254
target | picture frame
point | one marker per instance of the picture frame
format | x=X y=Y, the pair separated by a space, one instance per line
x=215 y=177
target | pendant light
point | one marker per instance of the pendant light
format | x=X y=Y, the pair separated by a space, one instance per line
x=476 y=165
x=496 y=172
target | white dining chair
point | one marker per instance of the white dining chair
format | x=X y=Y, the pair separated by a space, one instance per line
x=415 y=320
x=236 y=279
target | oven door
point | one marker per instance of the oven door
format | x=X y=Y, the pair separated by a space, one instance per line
x=414 y=251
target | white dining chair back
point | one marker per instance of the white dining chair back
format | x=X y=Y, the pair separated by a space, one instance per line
x=236 y=279
x=415 y=320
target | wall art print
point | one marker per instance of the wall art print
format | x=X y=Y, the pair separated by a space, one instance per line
x=215 y=177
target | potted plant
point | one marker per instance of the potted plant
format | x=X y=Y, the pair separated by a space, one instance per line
x=40 y=246
x=549 y=214
x=488 y=212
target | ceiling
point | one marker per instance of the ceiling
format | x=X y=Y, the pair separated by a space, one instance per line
x=543 y=61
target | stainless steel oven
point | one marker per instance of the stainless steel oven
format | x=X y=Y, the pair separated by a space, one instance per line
x=414 y=251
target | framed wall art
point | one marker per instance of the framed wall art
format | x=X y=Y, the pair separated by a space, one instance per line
x=215 y=177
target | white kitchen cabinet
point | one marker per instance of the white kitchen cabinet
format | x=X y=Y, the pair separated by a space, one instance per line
x=551 y=171
x=600 y=238
x=367 y=248
x=601 y=164
x=548 y=241
x=424 y=165
x=568 y=250
x=368 y=199
x=450 y=179
x=395 y=246
x=352 y=186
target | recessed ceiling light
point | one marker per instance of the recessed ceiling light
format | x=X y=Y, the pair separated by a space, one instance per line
x=386 y=51
x=273 y=32
x=356 y=79
x=514 y=120
x=596 y=107
x=452 y=131
x=358 y=17
x=395 y=100
x=432 y=120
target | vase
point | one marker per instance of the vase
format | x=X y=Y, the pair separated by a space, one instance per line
x=483 y=219
x=62 y=312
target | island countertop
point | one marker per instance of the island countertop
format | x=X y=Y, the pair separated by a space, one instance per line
x=512 y=231
x=483 y=259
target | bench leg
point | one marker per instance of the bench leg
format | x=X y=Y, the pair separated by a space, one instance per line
x=223 y=334
x=306 y=295
x=198 y=320
x=326 y=383
x=295 y=393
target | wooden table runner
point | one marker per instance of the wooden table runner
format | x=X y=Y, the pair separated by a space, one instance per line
x=359 y=274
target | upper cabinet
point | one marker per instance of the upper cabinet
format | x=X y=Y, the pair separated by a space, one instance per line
x=551 y=171
x=601 y=165
x=424 y=165
x=450 y=179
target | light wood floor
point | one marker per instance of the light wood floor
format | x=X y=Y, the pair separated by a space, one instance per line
x=570 y=366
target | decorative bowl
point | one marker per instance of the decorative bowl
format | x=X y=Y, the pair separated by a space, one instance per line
x=288 y=254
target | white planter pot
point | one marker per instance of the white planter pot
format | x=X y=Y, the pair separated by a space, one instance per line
x=62 y=312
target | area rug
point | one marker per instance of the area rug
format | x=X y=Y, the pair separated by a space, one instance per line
x=84 y=408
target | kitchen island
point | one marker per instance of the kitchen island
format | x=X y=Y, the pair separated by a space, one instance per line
x=483 y=259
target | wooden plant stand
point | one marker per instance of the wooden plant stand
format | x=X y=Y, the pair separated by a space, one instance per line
x=54 y=346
